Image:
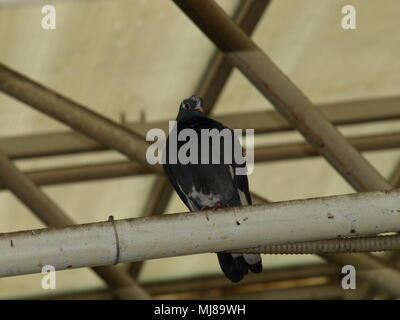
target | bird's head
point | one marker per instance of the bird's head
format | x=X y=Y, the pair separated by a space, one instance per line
x=190 y=107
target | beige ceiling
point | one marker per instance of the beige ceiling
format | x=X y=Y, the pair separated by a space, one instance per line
x=143 y=56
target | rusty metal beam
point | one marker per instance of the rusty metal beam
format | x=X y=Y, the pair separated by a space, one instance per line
x=87 y=172
x=301 y=292
x=242 y=52
x=247 y=16
x=338 y=113
x=118 y=169
x=64 y=142
x=372 y=269
x=80 y=118
x=50 y=214
x=206 y=283
x=318 y=292
x=304 y=150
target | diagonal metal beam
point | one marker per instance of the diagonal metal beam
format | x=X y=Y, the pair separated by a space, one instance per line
x=259 y=69
x=202 y=284
x=80 y=118
x=247 y=15
x=48 y=212
x=378 y=273
x=242 y=52
x=395 y=176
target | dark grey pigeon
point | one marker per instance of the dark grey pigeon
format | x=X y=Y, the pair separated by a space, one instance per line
x=206 y=186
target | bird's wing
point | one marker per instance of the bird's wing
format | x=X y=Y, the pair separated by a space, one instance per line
x=204 y=185
x=170 y=171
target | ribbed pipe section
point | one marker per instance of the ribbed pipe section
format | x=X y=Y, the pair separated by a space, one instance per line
x=344 y=245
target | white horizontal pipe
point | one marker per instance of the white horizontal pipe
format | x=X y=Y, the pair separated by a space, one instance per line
x=207 y=231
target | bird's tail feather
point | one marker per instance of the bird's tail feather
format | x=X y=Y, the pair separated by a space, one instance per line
x=236 y=266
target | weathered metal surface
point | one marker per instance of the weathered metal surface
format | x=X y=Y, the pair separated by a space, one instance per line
x=206 y=231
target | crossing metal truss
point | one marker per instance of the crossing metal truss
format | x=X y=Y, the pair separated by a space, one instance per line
x=294 y=111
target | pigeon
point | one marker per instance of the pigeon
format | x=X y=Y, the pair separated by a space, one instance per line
x=212 y=185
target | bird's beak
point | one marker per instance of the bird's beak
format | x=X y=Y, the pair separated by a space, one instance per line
x=199 y=109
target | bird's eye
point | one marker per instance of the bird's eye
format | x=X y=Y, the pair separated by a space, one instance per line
x=186 y=106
